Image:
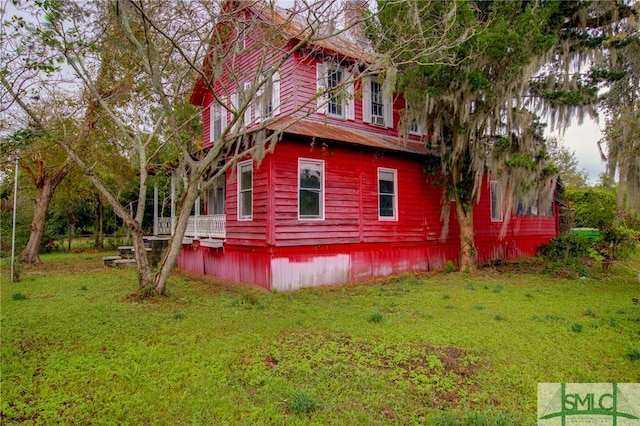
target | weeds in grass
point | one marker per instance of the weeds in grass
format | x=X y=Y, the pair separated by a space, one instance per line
x=450 y=267
x=633 y=354
x=302 y=403
x=590 y=313
x=83 y=288
x=471 y=287
x=576 y=327
x=446 y=296
x=18 y=297
x=247 y=301
x=528 y=296
x=179 y=315
x=477 y=418
x=497 y=289
x=498 y=317
x=479 y=307
x=376 y=318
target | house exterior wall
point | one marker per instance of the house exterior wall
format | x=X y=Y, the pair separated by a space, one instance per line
x=277 y=250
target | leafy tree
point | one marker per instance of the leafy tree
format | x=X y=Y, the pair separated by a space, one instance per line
x=621 y=143
x=477 y=107
x=567 y=163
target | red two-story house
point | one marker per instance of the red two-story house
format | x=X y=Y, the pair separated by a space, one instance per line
x=343 y=197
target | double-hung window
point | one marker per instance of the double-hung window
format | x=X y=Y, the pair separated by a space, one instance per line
x=387 y=194
x=217 y=121
x=377 y=102
x=496 y=201
x=310 y=189
x=245 y=190
x=335 y=106
x=268 y=96
x=335 y=91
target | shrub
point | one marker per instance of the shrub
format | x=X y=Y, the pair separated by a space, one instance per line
x=566 y=248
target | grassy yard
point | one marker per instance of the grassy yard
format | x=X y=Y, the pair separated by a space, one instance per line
x=428 y=349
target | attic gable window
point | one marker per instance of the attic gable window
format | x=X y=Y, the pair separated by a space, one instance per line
x=334 y=85
x=377 y=102
x=217 y=121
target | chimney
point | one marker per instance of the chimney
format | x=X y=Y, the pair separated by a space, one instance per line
x=354 y=15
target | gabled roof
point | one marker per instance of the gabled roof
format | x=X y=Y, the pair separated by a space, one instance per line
x=339 y=43
x=322 y=130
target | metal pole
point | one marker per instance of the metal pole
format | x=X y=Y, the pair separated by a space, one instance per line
x=13 y=231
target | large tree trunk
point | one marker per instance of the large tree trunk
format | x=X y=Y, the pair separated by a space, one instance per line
x=46 y=185
x=468 y=252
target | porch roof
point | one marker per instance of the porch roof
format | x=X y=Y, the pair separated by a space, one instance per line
x=322 y=130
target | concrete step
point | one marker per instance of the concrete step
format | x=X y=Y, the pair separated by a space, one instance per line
x=124 y=263
x=108 y=260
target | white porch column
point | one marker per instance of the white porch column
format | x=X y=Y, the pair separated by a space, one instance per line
x=173 y=202
x=195 y=221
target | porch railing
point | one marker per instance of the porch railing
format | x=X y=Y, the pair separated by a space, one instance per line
x=164 y=226
x=210 y=226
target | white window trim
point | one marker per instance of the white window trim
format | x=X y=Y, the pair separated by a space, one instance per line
x=387 y=106
x=274 y=81
x=420 y=131
x=322 y=102
x=393 y=218
x=239 y=191
x=493 y=187
x=322 y=198
x=223 y=118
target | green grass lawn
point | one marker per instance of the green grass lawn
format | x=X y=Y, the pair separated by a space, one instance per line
x=430 y=349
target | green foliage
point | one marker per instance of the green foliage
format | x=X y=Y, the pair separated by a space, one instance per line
x=302 y=403
x=566 y=248
x=576 y=327
x=376 y=318
x=593 y=207
x=450 y=267
x=633 y=354
x=616 y=243
x=18 y=297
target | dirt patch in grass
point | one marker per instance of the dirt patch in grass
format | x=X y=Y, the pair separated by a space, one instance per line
x=439 y=377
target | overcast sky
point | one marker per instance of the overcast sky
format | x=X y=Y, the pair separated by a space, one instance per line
x=583 y=140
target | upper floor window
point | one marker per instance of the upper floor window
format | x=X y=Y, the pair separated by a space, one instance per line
x=335 y=91
x=377 y=102
x=414 y=126
x=335 y=106
x=496 y=201
x=245 y=190
x=217 y=121
x=387 y=194
x=268 y=96
x=310 y=189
